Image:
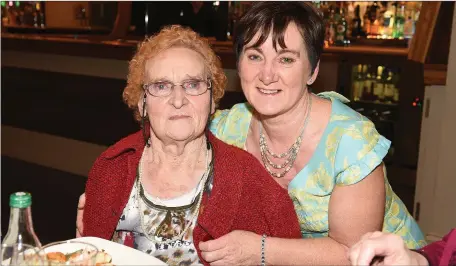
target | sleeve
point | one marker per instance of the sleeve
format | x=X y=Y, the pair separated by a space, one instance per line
x=96 y=217
x=441 y=252
x=360 y=150
x=278 y=207
x=92 y=186
x=216 y=125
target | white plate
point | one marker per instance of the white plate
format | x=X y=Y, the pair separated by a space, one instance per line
x=121 y=255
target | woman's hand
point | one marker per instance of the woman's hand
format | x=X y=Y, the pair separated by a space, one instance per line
x=389 y=246
x=234 y=248
x=79 y=224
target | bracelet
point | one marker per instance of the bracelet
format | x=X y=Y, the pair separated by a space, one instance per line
x=263 y=257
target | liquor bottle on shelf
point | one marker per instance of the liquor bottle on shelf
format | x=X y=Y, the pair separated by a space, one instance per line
x=399 y=22
x=409 y=27
x=366 y=21
x=379 y=85
x=331 y=28
x=358 y=83
x=341 y=28
x=350 y=16
x=388 y=20
x=374 y=19
x=369 y=83
x=5 y=18
x=389 y=88
x=325 y=9
x=357 y=30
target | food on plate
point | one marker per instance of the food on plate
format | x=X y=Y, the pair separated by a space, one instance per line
x=103 y=258
x=56 y=258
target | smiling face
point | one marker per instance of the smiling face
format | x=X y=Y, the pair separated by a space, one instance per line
x=178 y=116
x=275 y=81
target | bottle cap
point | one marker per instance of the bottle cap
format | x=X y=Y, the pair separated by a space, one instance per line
x=20 y=200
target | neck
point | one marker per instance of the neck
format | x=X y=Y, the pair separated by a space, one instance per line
x=282 y=130
x=177 y=155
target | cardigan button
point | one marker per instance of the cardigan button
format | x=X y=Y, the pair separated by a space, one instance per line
x=114 y=213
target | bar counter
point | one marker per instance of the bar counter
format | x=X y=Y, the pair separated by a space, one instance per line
x=94 y=46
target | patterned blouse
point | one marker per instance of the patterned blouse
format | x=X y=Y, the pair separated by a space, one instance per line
x=163 y=220
x=349 y=150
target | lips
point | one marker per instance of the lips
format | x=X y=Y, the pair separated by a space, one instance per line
x=268 y=92
x=177 y=117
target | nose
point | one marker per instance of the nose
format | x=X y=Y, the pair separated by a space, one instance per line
x=178 y=97
x=268 y=73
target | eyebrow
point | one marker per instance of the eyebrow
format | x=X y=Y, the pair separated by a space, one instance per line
x=283 y=51
x=165 y=79
x=200 y=76
x=157 y=79
x=254 y=48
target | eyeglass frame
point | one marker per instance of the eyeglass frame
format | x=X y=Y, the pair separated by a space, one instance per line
x=208 y=82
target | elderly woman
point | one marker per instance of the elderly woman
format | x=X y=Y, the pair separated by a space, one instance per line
x=328 y=157
x=166 y=188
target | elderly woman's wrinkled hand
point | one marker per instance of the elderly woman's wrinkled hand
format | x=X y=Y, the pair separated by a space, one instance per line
x=234 y=248
x=390 y=247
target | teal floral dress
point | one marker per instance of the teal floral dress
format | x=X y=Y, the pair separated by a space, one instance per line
x=349 y=150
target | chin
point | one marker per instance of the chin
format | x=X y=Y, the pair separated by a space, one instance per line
x=179 y=135
x=267 y=108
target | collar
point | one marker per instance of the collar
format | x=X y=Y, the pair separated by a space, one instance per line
x=227 y=190
x=135 y=142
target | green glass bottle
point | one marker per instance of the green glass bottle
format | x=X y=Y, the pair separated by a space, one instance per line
x=20 y=228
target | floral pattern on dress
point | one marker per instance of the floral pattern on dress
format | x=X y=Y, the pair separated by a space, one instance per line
x=349 y=150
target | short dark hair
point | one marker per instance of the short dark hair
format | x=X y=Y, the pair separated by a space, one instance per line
x=264 y=16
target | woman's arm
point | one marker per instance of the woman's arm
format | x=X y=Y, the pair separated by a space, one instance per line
x=353 y=211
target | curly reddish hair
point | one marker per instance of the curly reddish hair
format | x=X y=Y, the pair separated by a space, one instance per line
x=170 y=37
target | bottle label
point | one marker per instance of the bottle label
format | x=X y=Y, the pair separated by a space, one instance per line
x=340 y=32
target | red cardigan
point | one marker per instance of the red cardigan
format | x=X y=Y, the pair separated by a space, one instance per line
x=442 y=252
x=244 y=196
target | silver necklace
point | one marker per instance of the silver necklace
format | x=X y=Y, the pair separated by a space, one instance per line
x=291 y=154
x=151 y=237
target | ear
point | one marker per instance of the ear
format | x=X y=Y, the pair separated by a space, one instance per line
x=313 y=77
x=141 y=103
x=212 y=106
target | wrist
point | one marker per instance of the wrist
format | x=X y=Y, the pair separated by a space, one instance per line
x=263 y=250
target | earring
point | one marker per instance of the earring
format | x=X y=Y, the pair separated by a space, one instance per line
x=143 y=122
x=310 y=81
x=144 y=106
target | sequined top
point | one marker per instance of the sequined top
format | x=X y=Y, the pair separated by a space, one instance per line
x=349 y=150
x=163 y=220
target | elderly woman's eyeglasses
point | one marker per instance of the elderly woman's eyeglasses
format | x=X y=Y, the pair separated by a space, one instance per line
x=193 y=87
